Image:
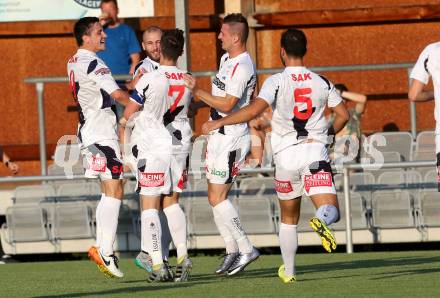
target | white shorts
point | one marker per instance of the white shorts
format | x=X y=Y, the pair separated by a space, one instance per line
x=179 y=171
x=224 y=156
x=303 y=169
x=153 y=163
x=103 y=160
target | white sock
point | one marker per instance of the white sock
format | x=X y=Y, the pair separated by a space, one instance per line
x=98 y=223
x=231 y=245
x=108 y=221
x=152 y=240
x=230 y=218
x=166 y=236
x=288 y=244
x=177 y=225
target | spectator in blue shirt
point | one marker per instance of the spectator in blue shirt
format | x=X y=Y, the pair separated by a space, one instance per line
x=122 y=52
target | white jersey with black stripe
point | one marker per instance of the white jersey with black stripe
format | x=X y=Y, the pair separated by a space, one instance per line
x=298 y=98
x=91 y=84
x=147 y=65
x=428 y=65
x=236 y=77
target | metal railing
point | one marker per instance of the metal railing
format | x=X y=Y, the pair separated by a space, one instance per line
x=40 y=81
x=346 y=184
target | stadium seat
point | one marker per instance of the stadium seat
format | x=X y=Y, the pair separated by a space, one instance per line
x=255 y=204
x=73 y=220
x=430 y=208
x=33 y=193
x=84 y=189
x=307 y=212
x=199 y=212
x=338 y=179
x=55 y=170
x=126 y=220
x=425 y=142
x=392 y=209
x=424 y=156
x=431 y=177
x=26 y=223
x=397 y=142
x=363 y=183
x=262 y=187
x=358 y=212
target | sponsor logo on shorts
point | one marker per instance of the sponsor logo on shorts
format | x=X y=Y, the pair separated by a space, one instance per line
x=321 y=179
x=98 y=163
x=219 y=173
x=89 y=3
x=151 y=179
x=283 y=186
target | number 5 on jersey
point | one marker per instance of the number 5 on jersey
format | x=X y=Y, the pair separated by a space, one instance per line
x=302 y=95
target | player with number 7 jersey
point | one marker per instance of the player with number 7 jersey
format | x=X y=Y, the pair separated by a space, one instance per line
x=160 y=142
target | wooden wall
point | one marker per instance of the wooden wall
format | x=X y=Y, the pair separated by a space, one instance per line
x=33 y=49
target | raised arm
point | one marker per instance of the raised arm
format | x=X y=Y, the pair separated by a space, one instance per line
x=416 y=92
x=245 y=114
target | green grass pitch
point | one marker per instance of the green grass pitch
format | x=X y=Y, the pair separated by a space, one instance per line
x=372 y=274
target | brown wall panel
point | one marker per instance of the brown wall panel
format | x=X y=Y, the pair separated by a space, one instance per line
x=166 y=7
x=372 y=44
x=289 y=5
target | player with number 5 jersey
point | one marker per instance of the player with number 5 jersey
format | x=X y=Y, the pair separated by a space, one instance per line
x=298 y=98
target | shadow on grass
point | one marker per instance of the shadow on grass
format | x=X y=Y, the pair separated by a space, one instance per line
x=149 y=288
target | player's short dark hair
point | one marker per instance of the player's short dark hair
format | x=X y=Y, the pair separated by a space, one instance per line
x=171 y=43
x=341 y=87
x=82 y=27
x=238 y=18
x=294 y=42
x=108 y=1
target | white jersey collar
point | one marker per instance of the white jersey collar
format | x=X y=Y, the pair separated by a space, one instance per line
x=88 y=52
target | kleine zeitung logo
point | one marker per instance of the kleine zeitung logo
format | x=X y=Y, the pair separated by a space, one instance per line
x=89 y=3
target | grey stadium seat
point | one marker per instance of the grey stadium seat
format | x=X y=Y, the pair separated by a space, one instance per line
x=26 y=223
x=358 y=213
x=392 y=209
x=430 y=207
x=199 y=212
x=73 y=221
x=256 y=205
x=33 y=193
x=79 y=189
x=398 y=142
x=425 y=142
x=307 y=212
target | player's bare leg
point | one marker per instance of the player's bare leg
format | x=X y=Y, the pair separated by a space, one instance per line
x=290 y=212
x=327 y=212
x=217 y=196
x=107 y=220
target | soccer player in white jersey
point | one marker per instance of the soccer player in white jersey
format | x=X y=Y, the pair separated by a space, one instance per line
x=428 y=66
x=228 y=145
x=151 y=45
x=299 y=136
x=93 y=89
x=161 y=144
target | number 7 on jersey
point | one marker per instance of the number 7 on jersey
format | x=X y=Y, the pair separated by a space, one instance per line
x=180 y=90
